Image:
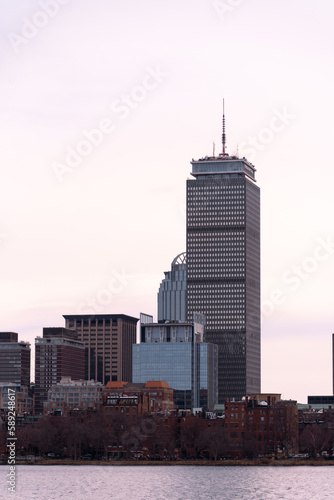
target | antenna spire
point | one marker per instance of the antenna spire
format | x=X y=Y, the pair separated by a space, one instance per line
x=223 y=134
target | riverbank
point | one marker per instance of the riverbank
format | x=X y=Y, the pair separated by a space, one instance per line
x=175 y=463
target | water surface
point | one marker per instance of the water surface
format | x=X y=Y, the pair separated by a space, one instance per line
x=170 y=482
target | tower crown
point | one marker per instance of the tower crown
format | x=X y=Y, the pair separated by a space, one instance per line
x=223 y=165
x=226 y=166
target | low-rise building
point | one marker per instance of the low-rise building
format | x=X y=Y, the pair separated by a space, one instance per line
x=316 y=430
x=23 y=400
x=259 y=428
x=69 y=394
x=150 y=397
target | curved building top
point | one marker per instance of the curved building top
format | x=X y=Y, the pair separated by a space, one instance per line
x=223 y=165
x=180 y=259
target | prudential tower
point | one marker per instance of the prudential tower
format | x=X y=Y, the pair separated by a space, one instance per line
x=223 y=266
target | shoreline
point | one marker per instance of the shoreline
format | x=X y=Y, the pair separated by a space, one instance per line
x=199 y=463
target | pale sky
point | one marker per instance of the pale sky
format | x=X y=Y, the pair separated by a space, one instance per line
x=103 y=106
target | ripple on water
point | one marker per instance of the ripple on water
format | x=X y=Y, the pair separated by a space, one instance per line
x=170 y=483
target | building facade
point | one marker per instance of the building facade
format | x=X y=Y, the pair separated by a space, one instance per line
x=14 y=359
x=23 y=400
x=223 y=267
x=108 y=340
x=151 y=396
x=176 y=353
x=320 y=400
x=259 y=428
x=172 y=292
x=58 y=354
x=69 y=394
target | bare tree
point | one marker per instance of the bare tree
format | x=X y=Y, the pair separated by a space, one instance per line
x=315 y=439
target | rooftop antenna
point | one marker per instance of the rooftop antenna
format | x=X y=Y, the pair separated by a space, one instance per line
x=224 y=135
x=214 y=149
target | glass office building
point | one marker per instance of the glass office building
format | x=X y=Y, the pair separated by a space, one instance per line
x=175 y=353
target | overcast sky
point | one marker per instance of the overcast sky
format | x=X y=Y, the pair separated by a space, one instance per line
x=103 y=106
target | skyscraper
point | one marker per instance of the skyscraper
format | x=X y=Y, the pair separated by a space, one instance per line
x=223 y=266
x=172 y=291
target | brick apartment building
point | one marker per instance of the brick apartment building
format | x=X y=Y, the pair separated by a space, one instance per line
x=260 y=428
x=150 y=397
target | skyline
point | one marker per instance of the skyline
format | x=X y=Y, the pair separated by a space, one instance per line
x=98 y=236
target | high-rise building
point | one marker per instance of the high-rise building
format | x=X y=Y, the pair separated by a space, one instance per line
x=172 y=291
x=223 y=266
x=58 y=354
x=175 y=353
x=14 y=359
x=108 y=340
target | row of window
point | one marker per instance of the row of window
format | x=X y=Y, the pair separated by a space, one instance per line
x=215 y=221
x=201 y=189
x=216 y=238
x=214 y=195
x=217 y=262
x=224 y=325
x=59 y=391
x=201 y=274
x=217 y=296
x=216 y=209
x=77 y=323
x=237 y=287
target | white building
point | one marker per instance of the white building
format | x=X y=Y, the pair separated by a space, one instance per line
x=69 y=394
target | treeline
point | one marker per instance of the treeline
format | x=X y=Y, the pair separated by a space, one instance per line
x=153 y=436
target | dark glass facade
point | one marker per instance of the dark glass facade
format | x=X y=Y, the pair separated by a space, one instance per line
x=14 y=360
x=320 y=400
x=223 y=267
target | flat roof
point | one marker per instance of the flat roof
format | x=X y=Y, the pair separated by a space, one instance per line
x=137 y=385
x=99 y=316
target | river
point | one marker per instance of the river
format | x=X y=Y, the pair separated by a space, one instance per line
x=169 y=482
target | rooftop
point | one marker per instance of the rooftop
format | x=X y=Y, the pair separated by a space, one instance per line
x=138 y=385
x=100 y=316
x=223 y=165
